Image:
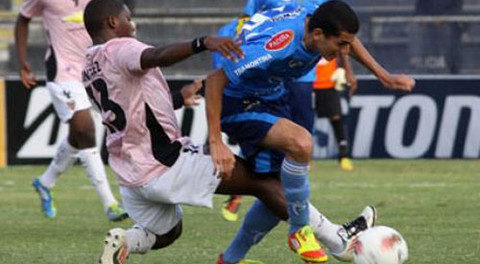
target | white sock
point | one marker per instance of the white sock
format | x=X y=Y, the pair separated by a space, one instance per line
x=140 y=240
x=64 y=158
x=325 y=231
x=93 y=165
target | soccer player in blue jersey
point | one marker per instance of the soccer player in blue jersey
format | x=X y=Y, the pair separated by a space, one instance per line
x=246 y=99
x=300 y=101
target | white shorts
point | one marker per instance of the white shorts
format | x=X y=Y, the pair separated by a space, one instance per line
x=190 y=181
x=68 y=98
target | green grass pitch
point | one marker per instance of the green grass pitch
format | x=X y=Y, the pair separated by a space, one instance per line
x=435 y=204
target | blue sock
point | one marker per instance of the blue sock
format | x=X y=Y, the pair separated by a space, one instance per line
x=257 y=223
x=294 y=177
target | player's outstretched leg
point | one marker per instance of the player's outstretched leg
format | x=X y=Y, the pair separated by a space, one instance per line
x=296 y=143
x=350 y=231
x=258 y=221
x=120 y=243
x=231 y=208
x=115 y=250
x=301 y=238
x=82 y=132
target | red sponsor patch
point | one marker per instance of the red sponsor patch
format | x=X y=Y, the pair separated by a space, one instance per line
x=280 y=40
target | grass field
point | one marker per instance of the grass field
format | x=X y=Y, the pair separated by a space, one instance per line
x=434 y=204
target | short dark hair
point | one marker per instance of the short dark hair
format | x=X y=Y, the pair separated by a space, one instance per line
x=334 y=17
x=97 y=11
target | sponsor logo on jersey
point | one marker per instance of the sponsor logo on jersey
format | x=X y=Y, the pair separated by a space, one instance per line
x=239 y=71
x=76 y=18
x=286 y=15
x=280 y=40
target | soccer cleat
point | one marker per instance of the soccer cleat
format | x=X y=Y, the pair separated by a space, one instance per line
x=115 y=249
x=243 y=261
x=346 y=164
x=350 y=231
x=231 y=208
x=116 y=213
x=304 y=243
x=46 y=199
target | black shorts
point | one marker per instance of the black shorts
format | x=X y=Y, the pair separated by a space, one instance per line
x=327 y=103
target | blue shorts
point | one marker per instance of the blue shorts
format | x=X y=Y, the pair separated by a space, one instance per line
x=300 y=101
x=247 y=121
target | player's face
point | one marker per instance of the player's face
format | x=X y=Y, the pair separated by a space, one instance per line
x=329 y=46
x=126 y=28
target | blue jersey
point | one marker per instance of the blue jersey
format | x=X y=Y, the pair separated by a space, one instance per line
x=273 y=45
x=255 y=6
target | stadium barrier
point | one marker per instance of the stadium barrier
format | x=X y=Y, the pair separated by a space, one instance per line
x=440 y=119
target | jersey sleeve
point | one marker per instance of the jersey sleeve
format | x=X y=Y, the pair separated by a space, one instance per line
x=31 y=8
x=126 y=53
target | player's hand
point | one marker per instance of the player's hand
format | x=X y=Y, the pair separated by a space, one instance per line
x=352 y=83
x=225 y=46
x=399 y=82
x=223 y=160
x=189 y=93
x=27 y=77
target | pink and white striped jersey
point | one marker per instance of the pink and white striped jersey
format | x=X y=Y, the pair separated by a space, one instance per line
x=143 y=138
x=67 y=37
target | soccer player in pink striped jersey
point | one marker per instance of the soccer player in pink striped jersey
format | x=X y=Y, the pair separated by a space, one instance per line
x=158 y=169
x=67 y=40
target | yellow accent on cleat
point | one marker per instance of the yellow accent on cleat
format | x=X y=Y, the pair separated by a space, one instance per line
x=249 y=261
x=304 y=243
x=231 y=208
x=346 y=164
x=229 y=216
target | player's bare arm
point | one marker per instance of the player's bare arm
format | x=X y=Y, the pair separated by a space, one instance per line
x=400 y=82
x=190 y=94
x=222 y=156
x=21 y=37
x=343 y=59
x=173 y=53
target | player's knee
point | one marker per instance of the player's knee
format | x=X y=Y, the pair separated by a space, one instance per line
x=167 y=239
x=301 y=146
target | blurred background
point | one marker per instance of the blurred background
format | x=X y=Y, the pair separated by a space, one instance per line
x=411 y=36
x=436 y=41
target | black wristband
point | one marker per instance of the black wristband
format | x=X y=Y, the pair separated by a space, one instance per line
x=198 y=45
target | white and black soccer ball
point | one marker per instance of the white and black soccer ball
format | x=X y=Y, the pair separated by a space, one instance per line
x=380 y=245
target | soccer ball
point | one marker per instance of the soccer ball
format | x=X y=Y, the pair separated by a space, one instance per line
x=380 y=245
